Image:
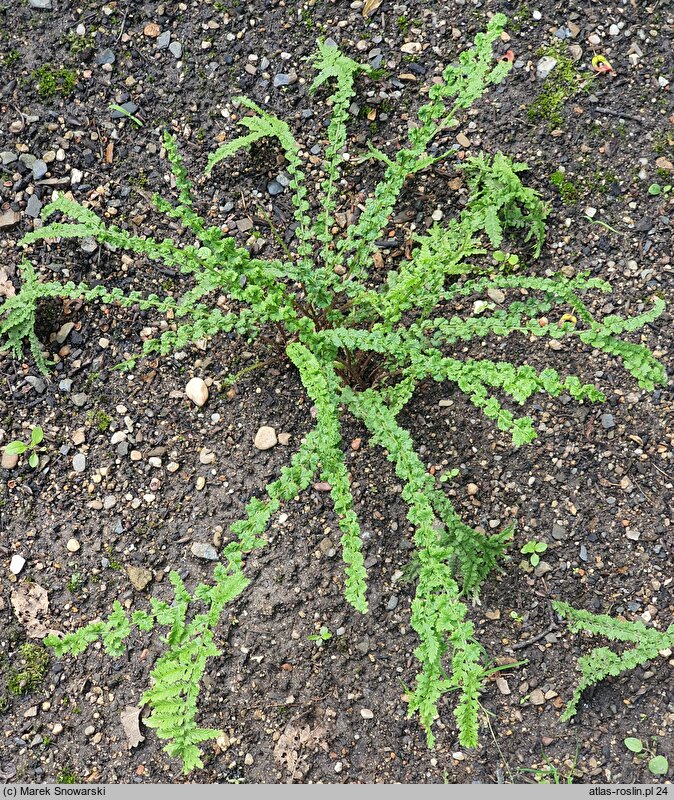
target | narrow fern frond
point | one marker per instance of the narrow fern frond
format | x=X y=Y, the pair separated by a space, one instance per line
x=265 y=125
x=321 y=385
x=603 y=662
x=332 y=65
x=294 y=479
x=465 y=84
x=183 y=183
x=438 y=615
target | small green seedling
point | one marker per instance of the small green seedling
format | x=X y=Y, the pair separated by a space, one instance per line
x=17 y=447
x=75 y=582
x=657 y=765
x=506 y=259
x=121 y=110
x=533 y=550
x=322 y=636
x=655 y=189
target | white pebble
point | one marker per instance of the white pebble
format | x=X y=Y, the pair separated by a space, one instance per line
x=73 y=545
x=197 y=391
x=265 y=438
x=367 y=713
x=16 y=564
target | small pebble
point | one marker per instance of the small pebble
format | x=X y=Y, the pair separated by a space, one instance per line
x=205 y=551
x=73 y=545
x=16 y=564
x=39 y=169
x=265 y=438
x=105 y=57
x=367 y=713
x=281 y=79
x=33 y=206
x=79 y=462
x=545 y=66
x=176 y=49
x=206 y=456
x=139 y=577
x=9 y=460
x=537 y=697
x=607 y=421
x=197 y=391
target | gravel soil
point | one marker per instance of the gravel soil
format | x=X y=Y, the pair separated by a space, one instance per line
x=132 y=474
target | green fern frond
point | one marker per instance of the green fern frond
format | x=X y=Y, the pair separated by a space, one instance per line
x=322 y=386
x=602 y=662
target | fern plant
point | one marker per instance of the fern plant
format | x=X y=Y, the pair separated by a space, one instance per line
x=361 y=346
x=602 y=662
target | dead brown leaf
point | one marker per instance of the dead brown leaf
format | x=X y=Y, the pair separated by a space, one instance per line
x=370 y=7
x=6 y=286
x=130 y=723
x=289 y=750
x=31 y=604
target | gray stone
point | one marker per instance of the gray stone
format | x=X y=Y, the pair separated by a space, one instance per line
x=88 y=245
x=392 y=603
x=176 y=49
x=607 y=421
x=558 y=531
x=79 y=399
x=37 y=383
x=129 y=107
x=282 y=79
x=274 y=188
x=79 y=462
x=43 y=5
x=545 y=66
x=33 y=206
x=8 y=157
x=27 y=159
x=205 y=551
x=61 y=336
x=163 y=40
x=39 y=169
x=66 y=384
x=105 y=57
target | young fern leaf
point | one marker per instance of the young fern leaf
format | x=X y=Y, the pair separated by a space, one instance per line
x=464 y=83
x=438 y=615
x=322 y=386
x=603 y=662
x=498 y=200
